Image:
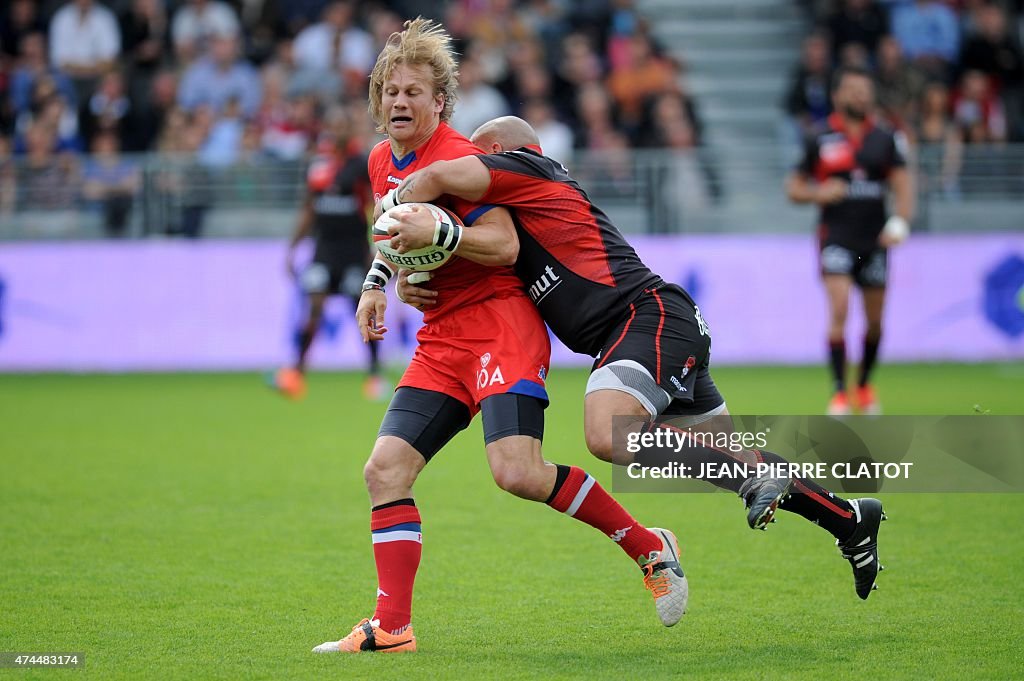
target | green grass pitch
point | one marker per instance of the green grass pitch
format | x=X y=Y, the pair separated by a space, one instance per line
x=197 y=526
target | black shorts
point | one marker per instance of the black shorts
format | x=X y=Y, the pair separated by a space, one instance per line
x=428 y=419
x=333 y=277
x=661 y=355
x=868 y=269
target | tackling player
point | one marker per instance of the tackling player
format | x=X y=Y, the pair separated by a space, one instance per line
x=847 y=169
x=651 y=343
x=484 y=348
x=334 y=214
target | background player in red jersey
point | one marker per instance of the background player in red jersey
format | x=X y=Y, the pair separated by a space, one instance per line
x=651 y=342
x=846 y=170
x=335 y=214
x=483 y=349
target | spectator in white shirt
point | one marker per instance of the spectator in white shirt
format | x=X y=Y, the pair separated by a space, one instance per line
x=84 y=41
x=478 y=101
x=556 y=137
x=336 y=47
x=195 y=23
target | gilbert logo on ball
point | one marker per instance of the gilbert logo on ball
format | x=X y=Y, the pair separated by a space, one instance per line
x=419 y=259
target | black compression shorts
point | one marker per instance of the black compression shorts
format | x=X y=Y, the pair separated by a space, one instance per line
x=428 y=420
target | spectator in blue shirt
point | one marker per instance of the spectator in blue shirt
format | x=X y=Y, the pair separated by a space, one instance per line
x=31 y=66
x=929 y=34
x=110 y=181
x=220 y=77
x=223 y=144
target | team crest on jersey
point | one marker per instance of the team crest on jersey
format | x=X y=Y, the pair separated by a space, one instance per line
x=485 y=359
x=691 y=361
x=543 y=373
x=836 y=155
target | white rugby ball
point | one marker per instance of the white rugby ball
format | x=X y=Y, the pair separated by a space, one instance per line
x=419 y=259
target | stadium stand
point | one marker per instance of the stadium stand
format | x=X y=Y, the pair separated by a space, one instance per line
x=668 y=110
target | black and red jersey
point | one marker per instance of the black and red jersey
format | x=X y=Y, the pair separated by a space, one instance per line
x=864 y=162
x=339 y=191
x=577 y=267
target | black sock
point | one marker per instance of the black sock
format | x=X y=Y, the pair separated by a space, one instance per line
x=867 y=363
x=400 y=502
x=812 y=501
x=304 y=340
x=807 y=498
x=695 y=457
x=837 y=355
x=374 y=358
x=561 y=475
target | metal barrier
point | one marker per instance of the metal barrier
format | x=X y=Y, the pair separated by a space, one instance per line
x=644 y=191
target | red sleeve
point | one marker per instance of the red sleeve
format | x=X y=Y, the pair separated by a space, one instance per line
x=520 y=179
x=321 y=173
x=364 y=190
x=377 y=167
x=514 y=189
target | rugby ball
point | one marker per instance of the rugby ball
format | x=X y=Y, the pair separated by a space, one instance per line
x=419 y=259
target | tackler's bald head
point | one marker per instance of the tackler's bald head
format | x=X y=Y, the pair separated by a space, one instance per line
x=506 y=132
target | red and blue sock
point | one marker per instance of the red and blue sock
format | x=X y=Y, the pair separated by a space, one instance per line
x=397 y=545
x=579 y=495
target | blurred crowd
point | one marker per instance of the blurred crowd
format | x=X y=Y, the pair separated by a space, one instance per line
x=948 y=72
x=228 y=82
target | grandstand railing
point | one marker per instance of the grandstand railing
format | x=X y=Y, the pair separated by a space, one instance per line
x=644 y=191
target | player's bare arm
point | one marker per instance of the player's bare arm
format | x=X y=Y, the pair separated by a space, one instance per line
x=491 y=241
x=467 y=178
x=370 y=315
x=802 y=189
x=898 y=226
x=373 y=301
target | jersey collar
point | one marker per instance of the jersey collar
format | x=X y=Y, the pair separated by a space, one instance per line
x=838 y=123
x=403 y=163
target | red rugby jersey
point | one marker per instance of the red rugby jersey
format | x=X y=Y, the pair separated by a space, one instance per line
x=459 y=282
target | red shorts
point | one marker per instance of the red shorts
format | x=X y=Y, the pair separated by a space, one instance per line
x=499 y=345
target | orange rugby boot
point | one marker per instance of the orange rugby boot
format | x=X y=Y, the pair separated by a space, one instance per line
x=377 y=389
x=867 y=402
x=664 y=578
x=290 y=383
x=839 y=405
x=367 y=637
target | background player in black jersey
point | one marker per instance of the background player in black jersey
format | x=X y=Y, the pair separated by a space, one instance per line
x=651 y=343
x=335 y=215
x=847 y=169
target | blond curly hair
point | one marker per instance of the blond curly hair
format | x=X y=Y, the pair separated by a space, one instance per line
x=422 y=42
